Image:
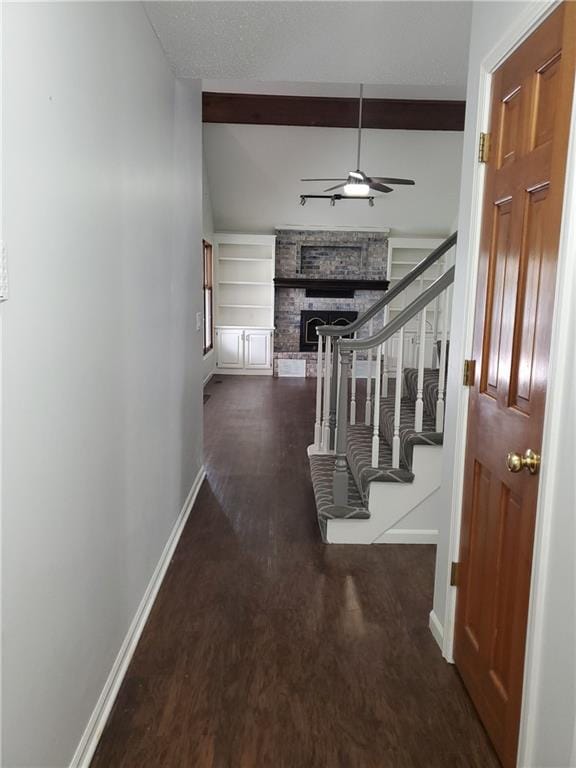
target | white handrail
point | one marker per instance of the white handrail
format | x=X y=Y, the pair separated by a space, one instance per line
x=318 y=422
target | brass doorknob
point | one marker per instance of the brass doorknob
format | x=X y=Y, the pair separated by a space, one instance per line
x=516 y=462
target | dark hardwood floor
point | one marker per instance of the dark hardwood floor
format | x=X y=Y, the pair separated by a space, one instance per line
x=268 y=649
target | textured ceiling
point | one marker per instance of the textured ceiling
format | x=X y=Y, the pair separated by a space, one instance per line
x=400 y=44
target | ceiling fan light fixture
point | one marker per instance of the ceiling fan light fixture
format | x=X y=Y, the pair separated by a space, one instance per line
x=357 y=189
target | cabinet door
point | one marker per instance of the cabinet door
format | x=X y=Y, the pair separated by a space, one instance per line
x=258 y=349
x=230 y=348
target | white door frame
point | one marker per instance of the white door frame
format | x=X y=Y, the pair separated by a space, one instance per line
x=562 y=337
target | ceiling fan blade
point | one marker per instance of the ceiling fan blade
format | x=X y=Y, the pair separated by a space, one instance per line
x=335 y=187
x=322 y=179
x=380 y=187
x=390 y=180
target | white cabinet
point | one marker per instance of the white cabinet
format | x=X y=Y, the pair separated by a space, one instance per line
x=229 y=348
x=244 y=350
x=258 y=349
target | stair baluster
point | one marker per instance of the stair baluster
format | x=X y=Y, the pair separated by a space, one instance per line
x=334 y=375
x=326 y=404
x=419 y=411
x=340 y=477
x=318 y=422
x=353 y=386
x=442 y=372
x=385 y=358
x=368 y=413
x=398 y=401
x=376 y=430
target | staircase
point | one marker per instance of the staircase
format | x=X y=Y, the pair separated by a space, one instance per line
x=377 y=453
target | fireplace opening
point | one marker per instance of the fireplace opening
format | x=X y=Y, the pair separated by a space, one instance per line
x=310 y=319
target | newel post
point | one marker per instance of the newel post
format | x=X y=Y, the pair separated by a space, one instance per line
x=333 y=395
x=340 y=482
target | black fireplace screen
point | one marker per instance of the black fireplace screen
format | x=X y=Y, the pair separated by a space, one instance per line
x=310 y=319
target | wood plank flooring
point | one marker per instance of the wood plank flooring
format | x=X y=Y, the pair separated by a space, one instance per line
x=268 y=649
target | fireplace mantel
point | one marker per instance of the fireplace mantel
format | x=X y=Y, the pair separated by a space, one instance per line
x=333 y=285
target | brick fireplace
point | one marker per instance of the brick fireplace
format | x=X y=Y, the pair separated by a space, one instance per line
x=332 y=258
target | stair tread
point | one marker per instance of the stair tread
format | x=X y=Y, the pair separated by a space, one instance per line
x=409 y=437
x=359 y=455
x=321 y=471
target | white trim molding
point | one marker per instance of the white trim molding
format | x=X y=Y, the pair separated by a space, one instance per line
x=436 y=628
x=93 y=731
x=332 y=228
x=409 y=536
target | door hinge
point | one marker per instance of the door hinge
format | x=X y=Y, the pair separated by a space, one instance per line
x=454 y=574
x=469 y=373
x=484 y=148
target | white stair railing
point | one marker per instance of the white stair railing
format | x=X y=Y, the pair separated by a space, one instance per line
x=385 y=360
x=318 y=422
x=419 y=415
x=368 y=409
x=329 y=369
x=376 y=419
x=344 y=349
x=398 y=400
x=442 y=370
x=326 y=400
x=353 y=385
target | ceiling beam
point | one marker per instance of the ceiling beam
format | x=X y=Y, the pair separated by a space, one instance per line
x=392 y=114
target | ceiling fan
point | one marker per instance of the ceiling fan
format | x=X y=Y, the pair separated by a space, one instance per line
x=359 y=184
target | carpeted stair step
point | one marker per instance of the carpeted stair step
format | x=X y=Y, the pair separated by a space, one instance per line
x=322 y=472
x=408 y=435
x=359 y=455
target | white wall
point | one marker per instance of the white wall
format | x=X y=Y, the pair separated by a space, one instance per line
x=102 y=410
x=549 y=728
x=255 y=170
x=208 y=360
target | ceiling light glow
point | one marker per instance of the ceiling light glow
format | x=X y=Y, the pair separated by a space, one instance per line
x=356 y=190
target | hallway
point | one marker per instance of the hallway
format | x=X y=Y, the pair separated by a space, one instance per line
x=267 y=649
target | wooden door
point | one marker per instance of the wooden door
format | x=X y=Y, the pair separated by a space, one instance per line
x=531 y=106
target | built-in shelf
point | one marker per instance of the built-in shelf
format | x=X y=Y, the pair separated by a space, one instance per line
x=244 y=303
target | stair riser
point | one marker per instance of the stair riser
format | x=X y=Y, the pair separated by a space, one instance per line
x=391 y=506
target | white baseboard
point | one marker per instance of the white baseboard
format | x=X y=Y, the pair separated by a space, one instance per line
x=437 y=629
x=91 y=736
x=243 y=371
x=207 y=379
x=408 y=536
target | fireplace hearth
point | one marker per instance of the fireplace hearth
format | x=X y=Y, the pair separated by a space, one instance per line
x=310 y=319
